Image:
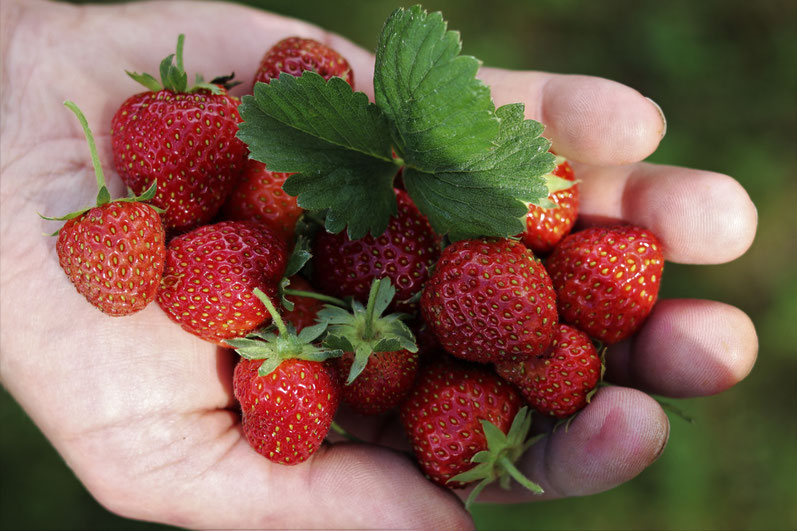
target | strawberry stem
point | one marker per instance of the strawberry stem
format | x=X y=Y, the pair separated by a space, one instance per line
x=103 y=196
x=369 y=311
x=341 y=431
x=317 y=296
x=275 y=316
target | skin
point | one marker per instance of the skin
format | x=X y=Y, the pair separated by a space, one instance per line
x=143 y=412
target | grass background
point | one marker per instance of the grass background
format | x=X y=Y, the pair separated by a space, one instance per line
x=725 y=73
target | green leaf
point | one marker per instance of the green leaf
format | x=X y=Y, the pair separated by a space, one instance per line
x=336 y=141
x=440 y=113
x=488 y=197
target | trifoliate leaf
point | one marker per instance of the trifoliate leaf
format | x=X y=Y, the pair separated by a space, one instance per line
x=334 y=139
x=440 y=113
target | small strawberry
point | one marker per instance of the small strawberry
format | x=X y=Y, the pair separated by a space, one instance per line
x=404 y=253
x=380 y=356
x=210 y=273
x=607 y=279
x=288 y=394
x=295 y=55
x=466 y=424
x=183 y=137
x=561 y=384
x=113 y=253
x=490 y=300
x=545 y=227
x=259 y=196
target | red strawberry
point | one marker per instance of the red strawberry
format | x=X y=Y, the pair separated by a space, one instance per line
x=490 y=300
x=607 y=279
x=210 y=274
x=559 y=385
x=113 y=253
x=545 y=227
x=294 y=55
x=288 y=394
x=305 y=309
x=380 y=355
x=457 y=412
x=403 y=253
x=183 y=138
x=259 y=196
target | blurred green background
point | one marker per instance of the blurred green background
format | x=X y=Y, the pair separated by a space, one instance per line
x=725 y=73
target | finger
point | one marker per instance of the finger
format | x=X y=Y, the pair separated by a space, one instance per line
x=619 y=434
x=588 y=119
x=701 y=217
x=230 y=486
x=687 y=348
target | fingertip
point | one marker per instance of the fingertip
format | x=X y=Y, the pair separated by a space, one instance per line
x=688 y=348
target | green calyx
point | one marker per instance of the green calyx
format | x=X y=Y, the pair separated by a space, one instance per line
x=174 y=78
x=364 y=330
x=103 y=195
x=498 y=461
x=274 y=348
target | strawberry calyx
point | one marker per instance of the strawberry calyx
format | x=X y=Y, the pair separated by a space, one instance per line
x=174 y=78
x=103 y=195
x=274 y=348
x=554 y=184
x=364 y=330
x=498 y=461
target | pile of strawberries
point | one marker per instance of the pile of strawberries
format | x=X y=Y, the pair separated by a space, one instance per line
x=464 y=338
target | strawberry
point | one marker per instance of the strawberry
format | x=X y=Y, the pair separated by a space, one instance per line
x=466 y=424
x=380 y=355
x=183 y=138
x=294 y=55
x=403 y=253
x=113 y=253
x=607 y=279
x=545 y=227
x=258 y=196
x=210 y=273
x=490 y=300
x=561 y=384
x=305 y=309
x=288 y=395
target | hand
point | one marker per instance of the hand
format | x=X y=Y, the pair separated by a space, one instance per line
x=143 y=412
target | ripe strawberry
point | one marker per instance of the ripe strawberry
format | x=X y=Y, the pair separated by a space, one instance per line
x=294 y=55
x=403 y=253
x=259 y=196
x=288 y=394
x=559 y=385
x=113 y=253
x=305 y=309
x=545 y=227
x=183 y=138
x=490 y=300
x=210 y=273
x=380 y=355
x=607 y=279
x=458 y=415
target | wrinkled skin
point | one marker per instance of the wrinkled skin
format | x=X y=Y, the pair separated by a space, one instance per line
x=144 y=413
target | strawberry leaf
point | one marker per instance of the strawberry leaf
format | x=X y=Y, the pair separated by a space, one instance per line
x=440 y=113
x=334 y=139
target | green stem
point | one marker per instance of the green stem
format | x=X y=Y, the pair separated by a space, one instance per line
x=369 y=310
x=317 y=296
x=518 y=476
x=273 y=311
x=103 y=196
x=340 y=431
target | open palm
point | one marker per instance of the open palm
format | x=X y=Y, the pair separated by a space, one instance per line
x=144 y=413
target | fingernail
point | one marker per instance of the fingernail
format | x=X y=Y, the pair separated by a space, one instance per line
x=663 y=118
